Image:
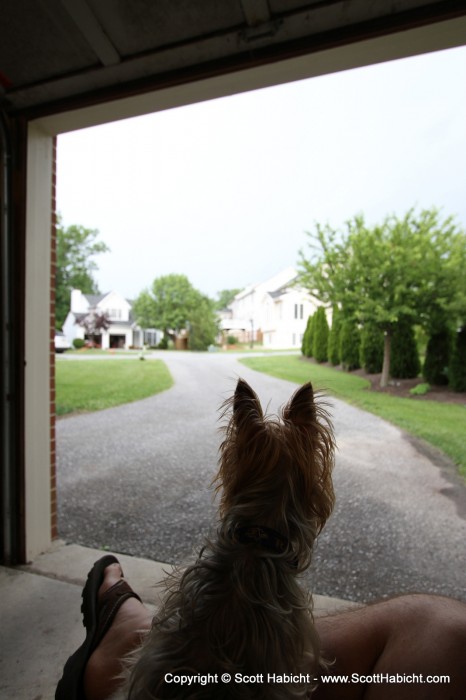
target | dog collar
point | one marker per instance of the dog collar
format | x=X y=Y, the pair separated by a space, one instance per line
x=263 y=536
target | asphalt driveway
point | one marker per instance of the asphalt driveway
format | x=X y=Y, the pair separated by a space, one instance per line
x=136 y=479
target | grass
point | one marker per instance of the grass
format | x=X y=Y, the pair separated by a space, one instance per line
x=95 y=384
x=442 y=425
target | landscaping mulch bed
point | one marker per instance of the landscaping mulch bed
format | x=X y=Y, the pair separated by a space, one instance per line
x=402 y=387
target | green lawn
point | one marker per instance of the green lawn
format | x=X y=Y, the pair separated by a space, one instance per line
x=92 y=385
x=440 y=424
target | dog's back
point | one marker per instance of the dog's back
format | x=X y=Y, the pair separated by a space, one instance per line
x=239 y=609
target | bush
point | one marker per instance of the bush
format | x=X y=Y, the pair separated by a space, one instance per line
x=78 y=343
x=350 y=340
x=420 y=389
x=457 y=370
x=320 y=335
x=372 y=346
x=231 y=340
x=438 y=350
x=333 y=350
x=404 y=356
x=306 y=347
x=163 y=343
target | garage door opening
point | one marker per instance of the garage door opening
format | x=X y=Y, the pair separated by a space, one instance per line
x=222 y=192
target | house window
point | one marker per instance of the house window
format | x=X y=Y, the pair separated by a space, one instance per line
x=301 y=311
x=114 y=314
x=296 y=311
x=294 y=340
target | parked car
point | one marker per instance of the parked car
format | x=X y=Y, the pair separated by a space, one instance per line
x=61 y=342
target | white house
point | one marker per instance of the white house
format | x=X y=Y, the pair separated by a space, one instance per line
x=123 y=331
x=273 y=312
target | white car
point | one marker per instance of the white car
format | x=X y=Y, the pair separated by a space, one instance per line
x=61 y=342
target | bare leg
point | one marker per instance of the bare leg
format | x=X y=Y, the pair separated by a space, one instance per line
x=126 y=634
x=415 y=634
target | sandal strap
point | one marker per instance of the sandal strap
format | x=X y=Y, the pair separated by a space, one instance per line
x=109 y=604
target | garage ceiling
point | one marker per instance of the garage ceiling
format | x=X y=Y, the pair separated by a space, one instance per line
x=57 y=54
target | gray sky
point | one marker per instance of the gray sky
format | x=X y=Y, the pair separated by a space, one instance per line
x=223 y=191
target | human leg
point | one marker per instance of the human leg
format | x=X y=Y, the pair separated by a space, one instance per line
x=410 y=639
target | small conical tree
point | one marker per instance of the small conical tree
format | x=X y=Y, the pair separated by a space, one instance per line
x=404 y=358
x=457 y=369
x=349 y=345
x=372 y=345
x=439 y=346
x=306 y=347
x=333 y=349
x=320 y=335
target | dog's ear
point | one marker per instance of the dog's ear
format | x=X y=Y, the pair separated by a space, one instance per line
x=246 y=405
x=301 y=409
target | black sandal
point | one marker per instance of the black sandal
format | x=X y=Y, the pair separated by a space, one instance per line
x=98 y=616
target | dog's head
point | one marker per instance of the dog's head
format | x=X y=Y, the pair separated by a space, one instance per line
x=277 y=473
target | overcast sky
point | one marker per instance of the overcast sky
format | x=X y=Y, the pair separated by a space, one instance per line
x=224 y=191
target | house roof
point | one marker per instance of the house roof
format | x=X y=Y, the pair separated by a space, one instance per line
x=274 y=286
x=94 y=299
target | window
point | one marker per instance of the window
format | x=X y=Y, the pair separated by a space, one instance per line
x=114 y=314
x=296 y=311
x=301 y=311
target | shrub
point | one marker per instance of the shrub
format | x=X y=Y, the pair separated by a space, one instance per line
x=350 y=341
x=404 y=356
x=372 y=346
x=78 y=343
x=231 y=340
x=333 y=349
x=457 y=369
x=320 y=335
x=438 y=350
x=163 y=343
x=306 y=347
x=419 y=389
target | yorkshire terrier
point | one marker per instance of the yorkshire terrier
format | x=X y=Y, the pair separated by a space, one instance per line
x=240 y=609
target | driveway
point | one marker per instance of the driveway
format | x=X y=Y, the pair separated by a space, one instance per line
x=136 y=479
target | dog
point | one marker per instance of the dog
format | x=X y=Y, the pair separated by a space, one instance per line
x=240 y=609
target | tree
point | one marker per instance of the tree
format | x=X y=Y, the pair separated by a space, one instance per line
x=173 y=304
x=225 y=297
x=404 y=358
x=320 y=336
x=306 y=346
x=457 y=369
x=403 y=268
x=94 y=323
x=350 y=340
x=372 y=341
x=435 y=370
x=76 y=247
x=334 y=337
x=203 y=325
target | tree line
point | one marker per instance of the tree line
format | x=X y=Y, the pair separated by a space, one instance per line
x=383 y=283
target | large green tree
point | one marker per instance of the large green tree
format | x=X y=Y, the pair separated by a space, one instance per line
x=173 y=304
x=410 y=267
x=76 y=248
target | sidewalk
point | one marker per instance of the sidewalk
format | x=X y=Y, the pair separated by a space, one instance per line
x=41 y=619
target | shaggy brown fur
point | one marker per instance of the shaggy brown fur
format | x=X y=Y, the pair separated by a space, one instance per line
x=239 y=608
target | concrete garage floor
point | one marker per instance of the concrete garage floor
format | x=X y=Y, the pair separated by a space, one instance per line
x=41 y=618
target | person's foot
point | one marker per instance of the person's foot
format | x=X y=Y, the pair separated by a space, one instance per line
x=132 y=621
